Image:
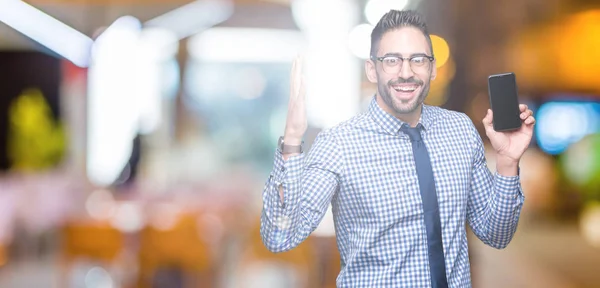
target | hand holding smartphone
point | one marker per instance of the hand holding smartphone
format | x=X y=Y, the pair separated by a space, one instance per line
x=504 y=101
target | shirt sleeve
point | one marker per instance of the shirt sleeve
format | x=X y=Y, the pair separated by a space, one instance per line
x=309 y=183
x=495 y=201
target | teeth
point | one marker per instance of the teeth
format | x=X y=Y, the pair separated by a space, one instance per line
x=405 y=89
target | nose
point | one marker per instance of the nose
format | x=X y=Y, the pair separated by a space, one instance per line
x=405 y=70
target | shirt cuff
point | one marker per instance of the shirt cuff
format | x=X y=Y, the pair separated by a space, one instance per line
x=287 y=171
x=508 y=187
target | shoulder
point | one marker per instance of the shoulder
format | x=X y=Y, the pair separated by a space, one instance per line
x=449 y=116
x=451 y=120
x=349 y=126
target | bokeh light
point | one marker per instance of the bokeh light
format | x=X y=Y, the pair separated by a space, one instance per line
x=375 y=9
x=359 y=40
x=589 y=224
x=441 y=50
x=581 y=165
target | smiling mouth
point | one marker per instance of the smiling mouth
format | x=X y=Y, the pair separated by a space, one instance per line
x=405 y=88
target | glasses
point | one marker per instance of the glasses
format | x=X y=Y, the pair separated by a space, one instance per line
x=393 y=64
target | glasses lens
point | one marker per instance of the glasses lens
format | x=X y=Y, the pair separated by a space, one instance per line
x=391 y=64
x=419 y=63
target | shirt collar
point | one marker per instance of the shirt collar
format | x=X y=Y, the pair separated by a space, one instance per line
x=392 y=124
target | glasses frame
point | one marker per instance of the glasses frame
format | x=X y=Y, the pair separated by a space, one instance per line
x=380 y=59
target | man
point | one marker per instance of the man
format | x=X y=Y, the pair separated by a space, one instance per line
x=403 y=178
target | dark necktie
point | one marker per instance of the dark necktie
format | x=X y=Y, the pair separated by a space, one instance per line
x=430 y=207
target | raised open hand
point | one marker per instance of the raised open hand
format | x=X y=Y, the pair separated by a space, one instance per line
x=296 y=122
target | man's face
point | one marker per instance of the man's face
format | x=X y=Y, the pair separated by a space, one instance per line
x=402 y=85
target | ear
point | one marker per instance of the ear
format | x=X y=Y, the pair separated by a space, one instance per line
x=434 y=70
x=371 y=71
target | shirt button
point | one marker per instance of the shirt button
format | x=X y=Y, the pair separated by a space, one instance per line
x=282 y=169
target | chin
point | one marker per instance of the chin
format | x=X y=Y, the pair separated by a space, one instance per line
x=404 y=108
x=406 y=105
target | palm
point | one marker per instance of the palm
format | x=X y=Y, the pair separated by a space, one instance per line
x=514 y=143
x=296 y=122
x=511 y=144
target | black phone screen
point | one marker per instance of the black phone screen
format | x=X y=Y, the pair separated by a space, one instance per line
x=504 y=101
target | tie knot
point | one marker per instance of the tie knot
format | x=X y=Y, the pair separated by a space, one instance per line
x=413 y=133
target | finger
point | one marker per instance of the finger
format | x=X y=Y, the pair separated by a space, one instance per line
x=293 y=77
x=298 y=74
x=300 y=64
x=296 y=79
x=302 y=86
x=526 y=114
x=523 y=107
x=487 y=120
x=302 y=92
x=530 y=120
x=297 y=103
x=293 y=70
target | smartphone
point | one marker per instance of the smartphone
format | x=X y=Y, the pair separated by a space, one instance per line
x=504 y=101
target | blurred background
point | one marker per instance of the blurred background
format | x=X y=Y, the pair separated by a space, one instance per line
x=137 y=135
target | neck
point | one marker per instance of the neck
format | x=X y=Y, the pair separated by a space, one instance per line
x=412 y=118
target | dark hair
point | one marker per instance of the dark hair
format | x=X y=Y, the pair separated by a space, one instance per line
x=395 y=19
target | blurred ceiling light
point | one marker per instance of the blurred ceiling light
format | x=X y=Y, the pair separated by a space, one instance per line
x=359 y=40
x=241 y=45
x=126 y=83
x=158 y=43
x=328 y=59
x=156 y=47
x=112 y=100
x=441 y=50
x=194 y=17
x=125 y=29
x=46 y=30
x=377 y=8
x=317 y=15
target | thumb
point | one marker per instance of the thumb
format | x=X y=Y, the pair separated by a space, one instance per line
x=487 y=121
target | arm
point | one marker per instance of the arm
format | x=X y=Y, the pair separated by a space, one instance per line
x=308 y=185
x=495 y=201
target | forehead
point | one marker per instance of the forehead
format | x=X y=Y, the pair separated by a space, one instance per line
x=405 y=41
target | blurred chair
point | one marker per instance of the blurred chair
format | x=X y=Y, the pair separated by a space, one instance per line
x=178 y=252
x=91 y=241
x=259 y=267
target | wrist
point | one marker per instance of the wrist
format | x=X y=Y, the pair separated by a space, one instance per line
x=295 y=147
x=292 y=140
x=506 y=166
